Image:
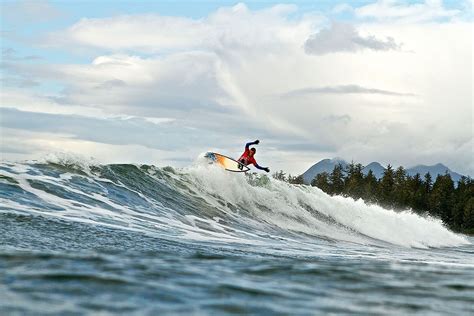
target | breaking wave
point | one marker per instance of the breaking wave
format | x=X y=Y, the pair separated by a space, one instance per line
x=205 y=203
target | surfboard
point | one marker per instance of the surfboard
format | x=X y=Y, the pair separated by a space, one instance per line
x=227 y=163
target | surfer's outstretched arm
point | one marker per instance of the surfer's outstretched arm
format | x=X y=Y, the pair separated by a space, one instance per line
x=251 y=143
x=261 y=168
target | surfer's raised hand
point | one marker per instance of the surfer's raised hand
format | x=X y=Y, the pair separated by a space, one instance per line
x=256 y=142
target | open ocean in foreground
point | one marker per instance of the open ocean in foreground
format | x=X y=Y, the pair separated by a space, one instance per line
x=141 y=240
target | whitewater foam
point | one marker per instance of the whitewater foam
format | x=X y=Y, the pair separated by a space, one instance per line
x=309 y=210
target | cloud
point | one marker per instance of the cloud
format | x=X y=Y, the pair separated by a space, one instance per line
x=156 y=133
x=343 y=89
x=452 y=149
x=341 y=37
x=115 y=131
x=342 y=7
x=345 y=119
x=111 y=84
x=399 y=11
x=12 y=149
x=11 y=54
x=30 y=11
x=168 y=86
x=226 y=30
x=314 y=145
x=24 y=100
x=20 y=145
x=213 y=81
x=18 y=82
x=11 y=78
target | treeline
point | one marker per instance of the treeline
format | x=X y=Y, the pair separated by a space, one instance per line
x=441 y=198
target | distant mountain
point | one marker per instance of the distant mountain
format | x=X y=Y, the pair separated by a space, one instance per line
x=434 y=171
x=377 y=169
x=327 y=165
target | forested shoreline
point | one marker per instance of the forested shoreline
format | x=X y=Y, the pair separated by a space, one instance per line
x=441 y=197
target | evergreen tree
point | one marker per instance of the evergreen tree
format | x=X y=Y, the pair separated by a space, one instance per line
x=354 y=181
x=370 y=187
x=428 y=183
x=441 y=198
x=463 y=193
x=428 y=186
x=322 y=181
x=387 y=184
x=416 y=193
x=468 y=220
x=400 y=190
x=349 y=170
x=336 y=180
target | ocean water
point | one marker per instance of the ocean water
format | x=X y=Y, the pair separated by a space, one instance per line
x=78 y=238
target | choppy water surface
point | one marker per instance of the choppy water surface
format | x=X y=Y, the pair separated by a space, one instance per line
x=145 y=240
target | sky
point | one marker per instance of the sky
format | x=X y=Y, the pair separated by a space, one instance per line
x=161 y=82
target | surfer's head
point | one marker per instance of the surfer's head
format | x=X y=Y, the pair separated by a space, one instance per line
x=252 y=151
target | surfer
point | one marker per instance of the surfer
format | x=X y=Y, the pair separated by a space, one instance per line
x=247 y=157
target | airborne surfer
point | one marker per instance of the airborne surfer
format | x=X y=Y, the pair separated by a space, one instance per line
x=247 y=157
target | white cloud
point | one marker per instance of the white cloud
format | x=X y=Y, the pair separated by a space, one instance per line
x=138 y=86
x=223 y=31
x=29 y=11
x=399 y=11
x=222 y=78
